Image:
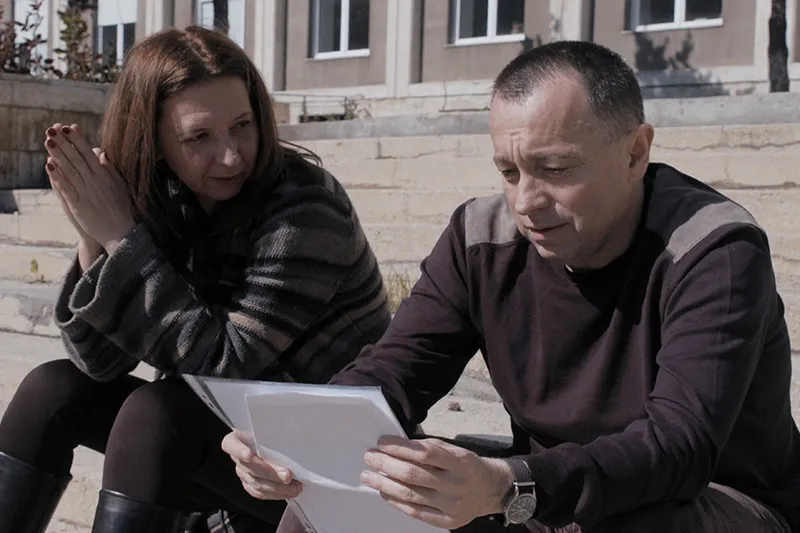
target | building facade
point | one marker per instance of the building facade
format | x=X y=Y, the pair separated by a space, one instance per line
x=343 y=58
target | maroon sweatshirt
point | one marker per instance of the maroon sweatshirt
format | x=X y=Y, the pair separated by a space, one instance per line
x=636 y=383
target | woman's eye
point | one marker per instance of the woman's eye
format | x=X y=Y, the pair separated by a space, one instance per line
x=242 y=124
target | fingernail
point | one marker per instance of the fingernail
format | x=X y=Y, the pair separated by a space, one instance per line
x=369 y=456
x=50 y=166
x=50 y=143
x=65 y=130
x=365 y=477
x=51 y=132
x=284 y=475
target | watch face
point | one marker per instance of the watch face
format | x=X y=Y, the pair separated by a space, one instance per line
x=521 y=508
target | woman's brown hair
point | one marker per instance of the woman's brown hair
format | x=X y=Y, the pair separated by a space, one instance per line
x=156 y=68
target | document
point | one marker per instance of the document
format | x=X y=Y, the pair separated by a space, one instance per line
x=320 y=433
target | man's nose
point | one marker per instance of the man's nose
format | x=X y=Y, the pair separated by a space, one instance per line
x=532 y=196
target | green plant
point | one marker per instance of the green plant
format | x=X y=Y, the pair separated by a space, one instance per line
x=77 y=55
x=82 y=63
x=398 y=287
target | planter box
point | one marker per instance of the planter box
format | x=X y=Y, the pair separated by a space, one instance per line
x=28 y=106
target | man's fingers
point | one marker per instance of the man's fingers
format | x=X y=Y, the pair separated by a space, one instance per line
x=432 y=516
x=406 y=472
x=424 y=451
x=400 y=491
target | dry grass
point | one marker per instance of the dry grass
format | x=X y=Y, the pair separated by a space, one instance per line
x=398 y=287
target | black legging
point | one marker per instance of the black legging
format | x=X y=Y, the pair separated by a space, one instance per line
x=161 y=443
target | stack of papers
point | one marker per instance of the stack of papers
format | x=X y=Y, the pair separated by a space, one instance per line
x=320 y=433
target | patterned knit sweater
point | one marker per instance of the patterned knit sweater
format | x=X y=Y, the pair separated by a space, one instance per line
x=292 y=297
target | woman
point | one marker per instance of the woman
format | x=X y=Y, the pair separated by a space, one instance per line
x=206 y=246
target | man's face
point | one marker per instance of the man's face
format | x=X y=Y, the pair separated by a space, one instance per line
x=575 y=192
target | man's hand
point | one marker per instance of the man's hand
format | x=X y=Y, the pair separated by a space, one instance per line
x=261 y=479
x=436 y=482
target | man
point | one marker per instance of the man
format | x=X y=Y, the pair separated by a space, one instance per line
x=629 y=319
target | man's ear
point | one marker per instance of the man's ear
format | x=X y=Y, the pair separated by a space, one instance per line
x=639 y=151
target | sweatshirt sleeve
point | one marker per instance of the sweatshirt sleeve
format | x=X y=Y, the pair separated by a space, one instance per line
x=712 y=332
x=88 y=349
x=430 y=340
x=297 y=261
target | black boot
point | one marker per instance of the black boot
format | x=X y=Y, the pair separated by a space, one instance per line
x=28 y=496
x=117 y=513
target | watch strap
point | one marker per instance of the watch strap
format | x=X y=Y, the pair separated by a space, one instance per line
x=520 y=469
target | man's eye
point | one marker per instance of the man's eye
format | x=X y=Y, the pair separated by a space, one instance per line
x=509 y=174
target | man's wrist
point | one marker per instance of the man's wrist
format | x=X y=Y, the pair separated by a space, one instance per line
x=500 y=483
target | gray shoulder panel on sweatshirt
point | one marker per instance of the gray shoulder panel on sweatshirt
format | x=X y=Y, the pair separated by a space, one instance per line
x=487 y=220
x=684 y=213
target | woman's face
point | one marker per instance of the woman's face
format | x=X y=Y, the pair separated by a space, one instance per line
x=208 y=136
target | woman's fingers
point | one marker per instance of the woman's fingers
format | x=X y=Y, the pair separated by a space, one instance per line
x=59 y=181
x=264 y=489
x=74 y=136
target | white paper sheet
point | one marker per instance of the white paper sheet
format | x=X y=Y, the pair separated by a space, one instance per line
x=322 y=439
x=320 y=433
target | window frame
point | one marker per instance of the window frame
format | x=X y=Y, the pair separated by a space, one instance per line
x=491 y=36
x=344 y=34
x=241 y=40
x=679 y=21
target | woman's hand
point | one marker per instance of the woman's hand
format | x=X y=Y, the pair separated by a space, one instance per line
x=94 y=195
x=261 y=479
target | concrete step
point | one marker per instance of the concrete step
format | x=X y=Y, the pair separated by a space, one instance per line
x=28 y=307
x=34 y=264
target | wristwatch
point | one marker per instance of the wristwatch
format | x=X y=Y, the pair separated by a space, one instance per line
x=520 y=504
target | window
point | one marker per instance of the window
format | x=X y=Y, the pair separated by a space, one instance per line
x=236 y=18
x=116 y=29
x=486 y=21
x=339 y=28
x=38 y=24
x=647 y=15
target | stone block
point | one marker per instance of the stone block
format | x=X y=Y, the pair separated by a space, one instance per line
x=366 y=174
x=339 y=151
x=6 y=131
x=433 y=147
x=9 y=226
x=736 y=170
x=465 y=173
x=475 y=146
x=59 y=95
x=29 y=126
x=380 y=206
x=437 y=206
x=46 y=229
x=781 y=138
x=400 y=243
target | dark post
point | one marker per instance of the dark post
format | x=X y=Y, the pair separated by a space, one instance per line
x=777 y=52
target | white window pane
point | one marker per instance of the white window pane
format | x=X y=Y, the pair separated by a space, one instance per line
x=205 y=13
x=474 y=18
x=510 y=17
x=703 y=9
x=327 y=21
x=358 y=36
x=115 y=12
x=656 y=11
x=236 y=21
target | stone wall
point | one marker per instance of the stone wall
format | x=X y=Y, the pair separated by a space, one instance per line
x=27 y=107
